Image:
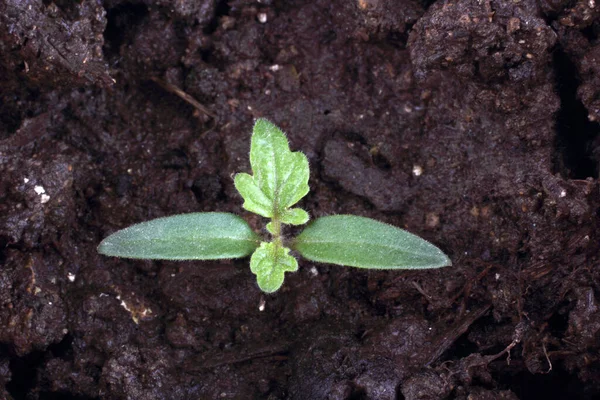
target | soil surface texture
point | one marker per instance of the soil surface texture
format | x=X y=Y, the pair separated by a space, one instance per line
x=472 y=123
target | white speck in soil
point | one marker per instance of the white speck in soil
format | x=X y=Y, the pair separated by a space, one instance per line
x=262 y=18
x=417 y=170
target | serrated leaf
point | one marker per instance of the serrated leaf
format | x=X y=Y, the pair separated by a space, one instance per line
x=280 y=177
x=366 y=243
x=255 y=199
x=269 y=263
x=195 y=236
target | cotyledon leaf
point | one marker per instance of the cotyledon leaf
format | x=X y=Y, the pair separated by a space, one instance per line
x=269 y=263
x=280 y=176
x=366 y=243
x=194 y=236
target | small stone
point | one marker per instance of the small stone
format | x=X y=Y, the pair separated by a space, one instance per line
x=514 y=24
x=432 y=220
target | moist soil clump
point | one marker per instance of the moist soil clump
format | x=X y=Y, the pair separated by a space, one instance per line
x=474 y=124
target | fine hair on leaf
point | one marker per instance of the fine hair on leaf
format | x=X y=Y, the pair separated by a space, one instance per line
x=277 y=182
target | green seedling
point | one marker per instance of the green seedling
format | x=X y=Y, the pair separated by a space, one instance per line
x=279 y=181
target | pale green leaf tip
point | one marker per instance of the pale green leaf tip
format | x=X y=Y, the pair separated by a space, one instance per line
x=104 y=248
x=441 y=257
x=111 y=247
x=447 y=261
x=263 y=121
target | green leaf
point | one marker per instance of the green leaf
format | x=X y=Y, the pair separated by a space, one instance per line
x=195 y=236
x=294 y=216
x=366 y=243
x=254 y=198
x=269 y=263
x=280 y=177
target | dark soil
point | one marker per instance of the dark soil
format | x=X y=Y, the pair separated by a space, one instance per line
x=474 y=124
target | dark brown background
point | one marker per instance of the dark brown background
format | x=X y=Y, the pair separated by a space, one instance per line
x=496 y=102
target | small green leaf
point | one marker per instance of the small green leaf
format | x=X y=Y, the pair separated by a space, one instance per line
x=294 y=216
x=280 y=177
x=195 y=236
x=271 y=228
x=255 y=200
x=366 y=243
x=269 y=263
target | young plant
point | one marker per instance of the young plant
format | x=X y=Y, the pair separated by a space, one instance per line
x=279 y=181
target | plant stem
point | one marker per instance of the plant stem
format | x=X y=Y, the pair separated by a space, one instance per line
x=276 y=234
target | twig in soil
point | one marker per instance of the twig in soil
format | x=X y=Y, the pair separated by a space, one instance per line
x=547 y=358
x=518 y=335
x=276 y=351
x=184 y=96
x=420 y=290
x=449 y=337
x=477 y=360
x=466 y=290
